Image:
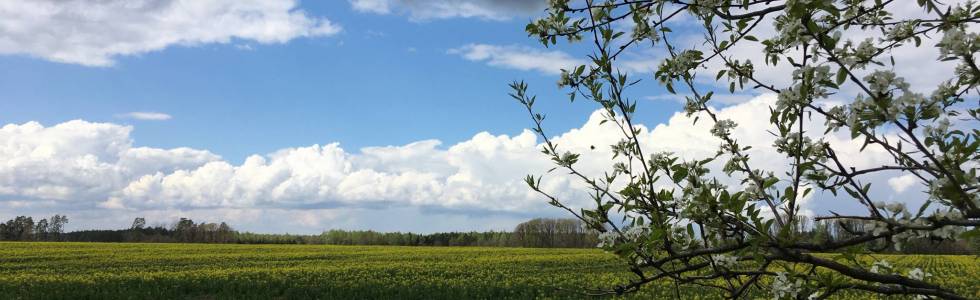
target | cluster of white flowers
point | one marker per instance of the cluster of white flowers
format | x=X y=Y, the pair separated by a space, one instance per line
x=907 y=100
x=660 y=158
x=954 y=215
x=791 y=34
x=723 y=127
x=557 y=4
x=641 y=28
x=725 y=261
x=636 y=232
x=956 y=42
x=753 y=191
x=607 y=239
x=876 y=227
x=918 y=274
x=815 y=77
x=789 y=97
x=895 y=207
x=783 y=288
x=901 y=31
x=860 y=55
x=679 y=65
x=936 y=187
x=591 y=221
x=880 y=267
x=946 y=232
x=691 y=105
x=790 y=144
x=565 y=79
x=734 y=163
x=703 y=7
x=936 y=129
x=881 y=81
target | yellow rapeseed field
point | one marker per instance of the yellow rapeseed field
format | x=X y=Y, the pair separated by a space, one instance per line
x=222 y=271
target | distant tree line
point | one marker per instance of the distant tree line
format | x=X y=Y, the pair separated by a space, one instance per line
x=369 y=237
x=24 y=228
x=183 y=231
x=535 y=233
x=568 y=233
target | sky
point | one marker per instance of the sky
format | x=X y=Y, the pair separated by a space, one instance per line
x=301 y=116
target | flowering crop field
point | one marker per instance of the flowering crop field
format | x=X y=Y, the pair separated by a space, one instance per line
x=223 y=271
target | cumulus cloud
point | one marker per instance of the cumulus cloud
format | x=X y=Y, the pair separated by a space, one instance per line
x=479 y=174
x=420 y=10
x=95 y=33
x=518 y=57
x=145 y=115
x=93 y=167
x=902 y=183
x=79 y=161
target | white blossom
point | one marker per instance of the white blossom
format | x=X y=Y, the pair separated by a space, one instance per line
x=880 y=266
x=783 y=288
x=876 y=227
x=607 y=239
x=636 y=232
x=724 y=260
x=918 y=274
x=723 y=127
x=895 y=207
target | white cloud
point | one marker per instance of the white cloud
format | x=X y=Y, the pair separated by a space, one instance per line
x=94 y=169
x=470 y=175
x=145 y=115
x=902 y=183
x=518 y=57
x=79 y=161
x=372 y=6
x=95 y=33
x=420 y=10
x=643 y=65
x=526 y=58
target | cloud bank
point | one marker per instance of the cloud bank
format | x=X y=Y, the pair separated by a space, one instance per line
x=95 y=169
x=95 y=33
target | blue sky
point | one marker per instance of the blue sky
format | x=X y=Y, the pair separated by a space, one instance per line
x=383 y=80
x=289 y=116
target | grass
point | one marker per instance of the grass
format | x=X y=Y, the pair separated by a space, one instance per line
x=223 y=271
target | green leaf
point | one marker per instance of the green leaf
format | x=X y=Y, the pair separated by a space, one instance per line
x=770 y=182
x=679 y=173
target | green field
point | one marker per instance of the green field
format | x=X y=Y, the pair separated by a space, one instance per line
x=222 y=271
